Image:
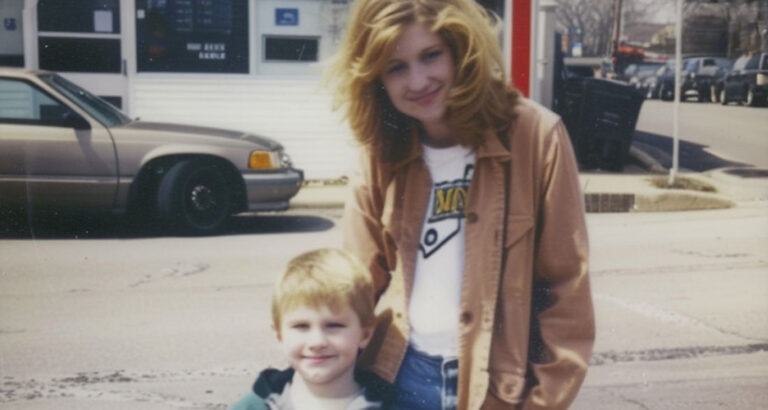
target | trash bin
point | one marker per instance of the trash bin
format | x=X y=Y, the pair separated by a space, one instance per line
x=600 y=116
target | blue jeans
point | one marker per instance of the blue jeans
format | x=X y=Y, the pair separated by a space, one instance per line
x=426 y=382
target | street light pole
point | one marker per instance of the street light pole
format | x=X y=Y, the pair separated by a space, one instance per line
x=678 y=88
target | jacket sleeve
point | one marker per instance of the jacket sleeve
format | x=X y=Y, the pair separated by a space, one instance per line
x=563 y=327
x=362 y=230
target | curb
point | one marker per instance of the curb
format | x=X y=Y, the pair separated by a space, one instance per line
x=655 y=200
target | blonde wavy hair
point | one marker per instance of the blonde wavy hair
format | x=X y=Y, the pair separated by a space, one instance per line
x=479 y=101
x=325 y=277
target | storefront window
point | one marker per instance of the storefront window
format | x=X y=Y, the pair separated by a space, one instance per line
x=290 y=48
x=202 y=36
x=84 y=55
x=81 y=16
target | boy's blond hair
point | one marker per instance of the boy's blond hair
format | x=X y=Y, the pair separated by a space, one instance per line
x=324 y=278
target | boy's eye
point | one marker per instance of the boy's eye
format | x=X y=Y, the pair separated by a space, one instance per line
x=299 y=326
x=336 y=325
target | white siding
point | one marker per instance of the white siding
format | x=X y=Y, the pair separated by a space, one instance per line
x=295 y=112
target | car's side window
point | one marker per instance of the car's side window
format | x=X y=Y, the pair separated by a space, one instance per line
x=753 y=62
x=764 y=65
x=22 y=102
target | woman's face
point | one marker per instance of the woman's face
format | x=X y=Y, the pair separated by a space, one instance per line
x=419 y=75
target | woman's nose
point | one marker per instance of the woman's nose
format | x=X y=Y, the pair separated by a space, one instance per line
x=418 y=78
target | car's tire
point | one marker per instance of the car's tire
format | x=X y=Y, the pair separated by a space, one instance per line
x=752 y=100
x=664 y=93
x=714 y=96
x=194 y=197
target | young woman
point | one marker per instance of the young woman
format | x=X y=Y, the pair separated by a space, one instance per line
x=466 y=209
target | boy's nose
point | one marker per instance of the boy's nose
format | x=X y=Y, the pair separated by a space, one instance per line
x=317 y=339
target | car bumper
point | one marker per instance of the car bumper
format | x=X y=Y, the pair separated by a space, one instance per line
x=271 y=191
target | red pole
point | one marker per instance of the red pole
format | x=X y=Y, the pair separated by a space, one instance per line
x=521 y=45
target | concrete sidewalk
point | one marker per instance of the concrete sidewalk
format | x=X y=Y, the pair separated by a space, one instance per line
x=631 y=191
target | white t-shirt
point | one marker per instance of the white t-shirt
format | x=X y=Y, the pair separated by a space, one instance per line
x=434 y=306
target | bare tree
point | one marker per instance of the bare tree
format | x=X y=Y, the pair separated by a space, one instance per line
x=595 y=18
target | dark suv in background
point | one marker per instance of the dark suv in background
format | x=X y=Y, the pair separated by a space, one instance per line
x=748 y=81
x=700 y=74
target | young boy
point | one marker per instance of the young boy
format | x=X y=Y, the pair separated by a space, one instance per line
x=322 y=314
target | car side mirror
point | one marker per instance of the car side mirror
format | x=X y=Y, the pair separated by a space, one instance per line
x=77 y=122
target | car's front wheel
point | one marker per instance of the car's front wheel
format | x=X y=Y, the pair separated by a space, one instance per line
x=752 y=99
x=194 y=197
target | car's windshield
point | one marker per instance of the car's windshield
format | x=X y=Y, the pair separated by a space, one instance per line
x=101 y=110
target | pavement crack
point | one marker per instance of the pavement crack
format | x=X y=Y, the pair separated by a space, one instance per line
x=669 y=316
x=692 y=352
x=724 y=266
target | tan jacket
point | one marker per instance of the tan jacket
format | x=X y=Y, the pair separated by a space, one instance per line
x=513 y=348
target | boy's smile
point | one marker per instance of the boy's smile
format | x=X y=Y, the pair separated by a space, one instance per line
x=322 y=345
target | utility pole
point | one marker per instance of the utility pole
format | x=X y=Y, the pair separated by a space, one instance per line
x=614 y=46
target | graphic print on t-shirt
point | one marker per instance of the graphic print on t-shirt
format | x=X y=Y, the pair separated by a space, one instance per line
x=446 y=212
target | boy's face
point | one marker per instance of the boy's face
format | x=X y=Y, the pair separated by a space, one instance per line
x=322 y=345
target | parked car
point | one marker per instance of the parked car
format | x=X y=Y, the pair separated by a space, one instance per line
x=636 y=73
x=748 y=81
x=661 y=84
x=700 y=75
x=63 y=148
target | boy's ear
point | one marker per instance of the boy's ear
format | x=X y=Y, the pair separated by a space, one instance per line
x=367 y=335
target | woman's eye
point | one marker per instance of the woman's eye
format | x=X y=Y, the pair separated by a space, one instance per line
x=433 y=54
x=394 y=69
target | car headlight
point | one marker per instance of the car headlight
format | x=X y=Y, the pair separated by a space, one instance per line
x=261 y=159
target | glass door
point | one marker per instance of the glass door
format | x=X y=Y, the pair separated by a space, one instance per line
x=82 y=40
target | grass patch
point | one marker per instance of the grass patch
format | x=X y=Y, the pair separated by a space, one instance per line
x=690 y=184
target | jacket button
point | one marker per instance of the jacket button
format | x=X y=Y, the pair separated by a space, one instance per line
x=466 y=317
x=472 y=217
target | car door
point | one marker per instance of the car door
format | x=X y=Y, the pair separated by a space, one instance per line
x=45 y=161
x=732 y=81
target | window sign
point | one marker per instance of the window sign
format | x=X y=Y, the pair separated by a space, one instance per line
x=203 y=36
x=10 y=24
x=286 y=17
x=102 y=21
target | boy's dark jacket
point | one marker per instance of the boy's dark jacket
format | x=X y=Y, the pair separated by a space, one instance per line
x=272 y=382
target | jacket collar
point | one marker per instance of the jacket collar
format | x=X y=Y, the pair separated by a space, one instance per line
x=491 y=147
x=376 y=389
